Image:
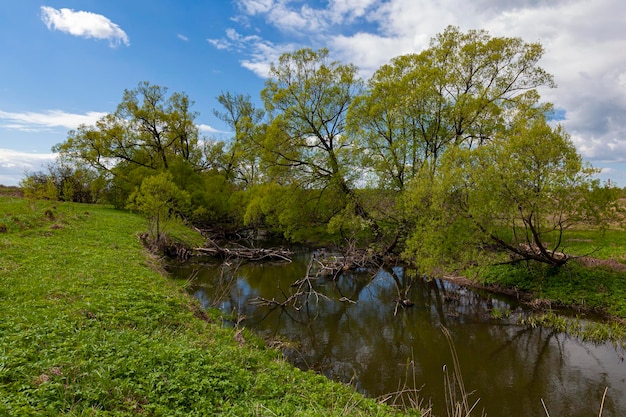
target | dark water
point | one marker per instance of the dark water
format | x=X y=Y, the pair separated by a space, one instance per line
x=354 y=331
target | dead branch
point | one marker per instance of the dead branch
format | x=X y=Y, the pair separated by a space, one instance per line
x=251 y=254
x=332 y=264
x=303 y=291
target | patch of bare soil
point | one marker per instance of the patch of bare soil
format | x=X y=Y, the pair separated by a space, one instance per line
x=607 y=263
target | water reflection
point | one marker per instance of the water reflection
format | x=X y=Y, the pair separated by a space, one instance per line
x=360 y=334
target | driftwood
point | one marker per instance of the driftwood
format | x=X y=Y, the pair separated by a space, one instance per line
x=329 y=264
x=242 y=252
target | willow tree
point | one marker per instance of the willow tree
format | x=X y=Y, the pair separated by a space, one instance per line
x=456 y=92
x=241 y=160
x=517 y=195
x=149 y=132
x=307 y=97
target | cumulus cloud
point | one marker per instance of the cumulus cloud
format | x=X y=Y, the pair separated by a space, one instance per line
x=209 y=129
x=349 y=10
x=35 y=122
x=14 y=164
x=84 y=24
x=259 y=53
x=583 y=43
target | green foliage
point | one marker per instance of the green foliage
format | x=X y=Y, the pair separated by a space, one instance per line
x=63 y=180
x=595 y=332
x=458 y=91
x=39 y=186
x=306 y=144
x=241 y=161
x=300 y=215
x=88 y=328
x=159 y=199
x=598 y=288
x=147 y=132
x=520 y=192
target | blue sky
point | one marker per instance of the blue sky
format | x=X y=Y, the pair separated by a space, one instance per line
x=66 y=62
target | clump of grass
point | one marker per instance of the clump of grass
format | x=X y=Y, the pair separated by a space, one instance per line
x=499 y=314
x=591 y=331
x=457 y=398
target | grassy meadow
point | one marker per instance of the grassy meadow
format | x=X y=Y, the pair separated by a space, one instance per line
x=89 y=326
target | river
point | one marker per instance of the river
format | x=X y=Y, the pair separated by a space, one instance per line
x=353 y=330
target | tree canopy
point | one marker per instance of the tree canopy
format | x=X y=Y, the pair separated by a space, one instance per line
x=447 y=155
x=454 y=93
x=517 y=194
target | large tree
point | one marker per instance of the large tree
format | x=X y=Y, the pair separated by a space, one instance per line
x=149 y=129
x=306 y=144
x=517 y=194
x=307 y=97
x=456 y=92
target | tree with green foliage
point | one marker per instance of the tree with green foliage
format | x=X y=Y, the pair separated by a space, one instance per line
x=147 y=133
x=456 y=92
x=39 y=186
x=159 y=199
x=517 y=194
x=306 y=145
x=241 y=158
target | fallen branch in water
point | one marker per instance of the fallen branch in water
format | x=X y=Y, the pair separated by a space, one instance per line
x=332 y=264
x=302 y=293
x=252 y=254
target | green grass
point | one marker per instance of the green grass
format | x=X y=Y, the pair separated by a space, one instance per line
x=606 y=244
x=599 y=288
x=594 y=279
x=89 y=327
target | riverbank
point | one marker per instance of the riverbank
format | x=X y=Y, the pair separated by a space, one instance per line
x=91 y=327
x=593 y=281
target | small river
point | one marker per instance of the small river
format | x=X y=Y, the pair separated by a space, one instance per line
x=353 y=330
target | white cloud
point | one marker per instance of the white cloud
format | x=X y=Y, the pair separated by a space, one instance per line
x=83 y=24
x=182 y=38
x=369 y=50
x=349 y=10
x=220 y=43
x=34 y=122
x=260 y=53
x=253 y=7
x=583 y=40
x=209 y=129
x=14 y=164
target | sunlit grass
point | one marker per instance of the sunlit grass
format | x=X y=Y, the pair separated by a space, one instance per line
x=90 y=328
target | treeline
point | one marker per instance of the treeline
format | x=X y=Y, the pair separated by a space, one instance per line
x=447 y=157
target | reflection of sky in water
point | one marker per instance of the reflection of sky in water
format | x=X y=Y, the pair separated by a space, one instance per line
x=371 y=342
x=381 y=282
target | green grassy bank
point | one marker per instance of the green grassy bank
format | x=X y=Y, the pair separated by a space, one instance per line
x=593 y=280
x=88 y=326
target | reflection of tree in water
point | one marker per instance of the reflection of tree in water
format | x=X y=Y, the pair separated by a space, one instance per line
x=511 y=368
x=545 y=364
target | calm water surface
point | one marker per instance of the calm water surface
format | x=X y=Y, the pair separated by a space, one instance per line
x=359 y=335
